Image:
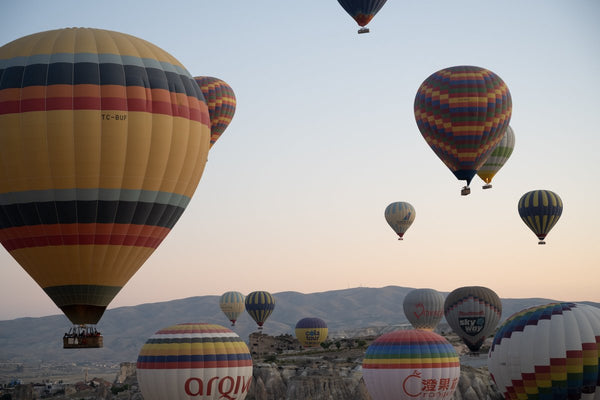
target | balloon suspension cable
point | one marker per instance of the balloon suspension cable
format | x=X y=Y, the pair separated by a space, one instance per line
x=465 y=191
x=487 y=186
x=363 y=30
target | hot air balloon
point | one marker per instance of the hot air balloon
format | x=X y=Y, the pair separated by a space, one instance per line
x=424 y=308
x=204 y=361
x=260 y=305
x=548 y=351
x=104 y=138
x=462 y=112
x=497 y=158
x=540 y=210
x=232 y=304
x=400 y=216
x=473 y=313
x=409 y=364
x=311 y=332
x=221 y=104
x=362 y=11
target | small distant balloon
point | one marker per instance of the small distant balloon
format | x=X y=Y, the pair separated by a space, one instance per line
x=400 y=216
x=311 y=332
x=362 y=11
x=260 y=305
x=497 y=158
x=473 y=312
x=424 y=308
x=194 y=360
x=548 y=351
x=540 y=210
x=232 y=304
x=462 y=113
x=410 y=364
x=221 y=102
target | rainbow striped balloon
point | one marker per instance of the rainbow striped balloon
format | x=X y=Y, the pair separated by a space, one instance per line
x=497 y=158
x=407 y=364
x=194 y=360
x=232 y=304
x=221 y=104
x=104 y=139
x=462 y=113
x=540 y=210
x=549 y=351
x=260 y=305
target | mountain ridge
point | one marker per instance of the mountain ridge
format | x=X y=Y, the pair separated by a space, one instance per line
x=125 y=329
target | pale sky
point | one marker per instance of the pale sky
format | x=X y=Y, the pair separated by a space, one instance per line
x=324 y=138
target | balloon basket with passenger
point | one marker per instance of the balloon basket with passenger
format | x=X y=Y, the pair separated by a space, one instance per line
x=83 y=337
x=465 y=191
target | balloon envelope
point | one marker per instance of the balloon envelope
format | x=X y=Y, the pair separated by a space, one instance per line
x=473 y=313
x=104 y=138
x=400 y=216
x=409 y=364
x=232 y=304
x=462 y=112
x=540 y=210
x=548 y=352
x=362 y=11
x=424 y=308
x=497 y=158
x=260 y=305
x=311 y=332
x=221 y=104
x=185 y=361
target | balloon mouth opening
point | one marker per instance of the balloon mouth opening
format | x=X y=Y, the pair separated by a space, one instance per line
x=466 y=190
x=488 y=186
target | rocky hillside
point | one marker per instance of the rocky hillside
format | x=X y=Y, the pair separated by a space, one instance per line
x=318 y=378
x=347 y=312
x=298 y=375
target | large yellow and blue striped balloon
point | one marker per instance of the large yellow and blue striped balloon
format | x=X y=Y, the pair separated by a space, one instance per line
x=462 y=113
x=540 y=210
x=103 y=140
x=497 y=158
x=409 y=364
x=400 y=216
x=260 y=305
x=194 y=361
x=221 y=102
x=232 y=304
x=549 y=351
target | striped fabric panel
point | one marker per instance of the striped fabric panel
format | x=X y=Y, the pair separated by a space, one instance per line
x=410 y=349
x=194 y=346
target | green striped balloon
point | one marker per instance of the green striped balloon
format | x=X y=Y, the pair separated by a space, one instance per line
x=540 y=210
x=497 y=158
